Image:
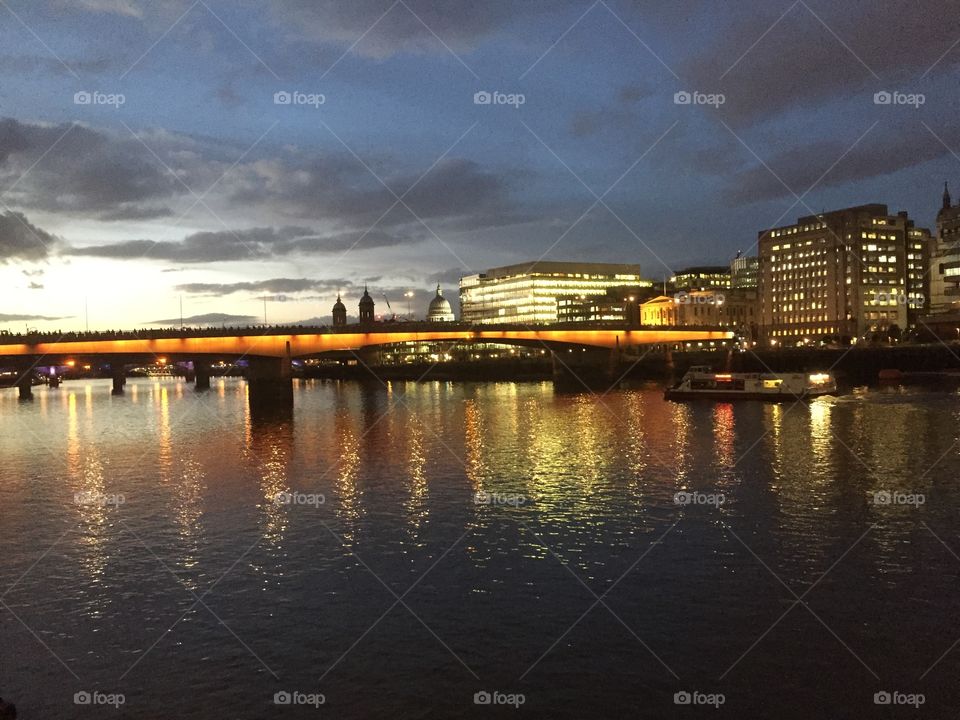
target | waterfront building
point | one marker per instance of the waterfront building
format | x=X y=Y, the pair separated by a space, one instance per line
x=945 y=259
x=440 y=310
x=339 y=313
x=529 y=293
x=707 y=277
x=745 y=272
x=844 y=273
x=736 y=309
x=367 y=307
x=617 y=304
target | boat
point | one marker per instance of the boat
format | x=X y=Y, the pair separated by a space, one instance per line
x=700 y=382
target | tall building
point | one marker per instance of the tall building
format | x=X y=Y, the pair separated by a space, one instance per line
x=842 y=273
x=745 y=272
x=945 y=260
x=529 y=293
x=339 y=313
x=440 y=310
x=706 y=277
x=367 y=307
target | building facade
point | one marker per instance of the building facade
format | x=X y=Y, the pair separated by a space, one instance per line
x=736 y=309
x=745 y=272
x=844 y=273
x=945 y=259
x=702 y=278
x=530 y=293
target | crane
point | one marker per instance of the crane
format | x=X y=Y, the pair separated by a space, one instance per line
x=393 y=315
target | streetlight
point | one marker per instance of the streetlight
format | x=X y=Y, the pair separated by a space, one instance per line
x=409 y=294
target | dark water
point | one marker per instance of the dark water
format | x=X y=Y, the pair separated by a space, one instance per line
x=402 y=596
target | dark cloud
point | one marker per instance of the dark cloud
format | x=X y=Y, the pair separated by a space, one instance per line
x=21 y=240
x=802 y=60
x=883 y=151
x=29 y=318
x=447 y=277
x=208 y=319
x=274 y=285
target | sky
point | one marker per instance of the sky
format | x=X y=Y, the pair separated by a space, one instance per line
x=246 y=158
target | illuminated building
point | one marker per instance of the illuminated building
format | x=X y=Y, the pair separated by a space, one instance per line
x=735 y=309
x=529 y=293
x=619 y=304
x=744 y=272
x=843 y=273
x=702 y=278
x=945 y=261
x=440 y=310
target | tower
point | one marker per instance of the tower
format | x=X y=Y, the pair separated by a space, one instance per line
x=339 y=313
x=946 y=197
x=366 y=308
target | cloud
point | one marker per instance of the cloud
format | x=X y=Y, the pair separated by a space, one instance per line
x=35 y=286
x=28 y=318
x=208 y=319
x=447 y=277
x=274 y=285
x=801 y=60
x=128 y=8
x=21 y=240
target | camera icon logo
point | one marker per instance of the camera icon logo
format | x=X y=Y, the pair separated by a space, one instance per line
x=682 y=698
x=82 y=98
x=282 y=698
x=682 y=98
x=882 y=98
x=82 y=698
x=482 y=98
x=882 y=698
x=282 y=98
x=482 y=698
x=882 y=497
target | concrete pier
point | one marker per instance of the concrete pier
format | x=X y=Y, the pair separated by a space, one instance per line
x=201 y=371
x=269 y=381
x=25 y=385
x=119 y=379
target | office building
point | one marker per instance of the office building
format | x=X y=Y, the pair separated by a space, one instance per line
x=844 y=273
x=702 y=278
x=745 y=272
x=529 y=293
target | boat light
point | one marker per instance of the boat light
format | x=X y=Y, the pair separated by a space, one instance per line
x=820 y=378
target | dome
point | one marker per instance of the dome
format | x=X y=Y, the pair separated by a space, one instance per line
x=338 y=305
x=440 y=310
x=366 y=299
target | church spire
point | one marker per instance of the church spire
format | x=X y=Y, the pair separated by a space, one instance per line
x=946 y=196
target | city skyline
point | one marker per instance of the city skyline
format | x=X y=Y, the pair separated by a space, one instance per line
x=223 y=154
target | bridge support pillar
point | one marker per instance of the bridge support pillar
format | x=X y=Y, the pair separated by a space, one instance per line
x=25 y=385
x=119 y=379
x=583 y=369
x=201 y=370
x=269 y=382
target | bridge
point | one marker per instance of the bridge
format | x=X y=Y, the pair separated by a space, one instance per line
x=268 y=351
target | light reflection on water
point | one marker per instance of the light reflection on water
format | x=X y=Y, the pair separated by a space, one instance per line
x=401 y=467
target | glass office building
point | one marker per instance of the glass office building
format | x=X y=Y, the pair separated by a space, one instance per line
x=529 y=293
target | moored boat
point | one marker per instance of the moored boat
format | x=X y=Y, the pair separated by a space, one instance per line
x=702 y=383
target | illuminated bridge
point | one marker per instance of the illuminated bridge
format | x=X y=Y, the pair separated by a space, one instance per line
x=268 y=352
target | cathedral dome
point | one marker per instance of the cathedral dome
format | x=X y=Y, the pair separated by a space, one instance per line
x=440 y=310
